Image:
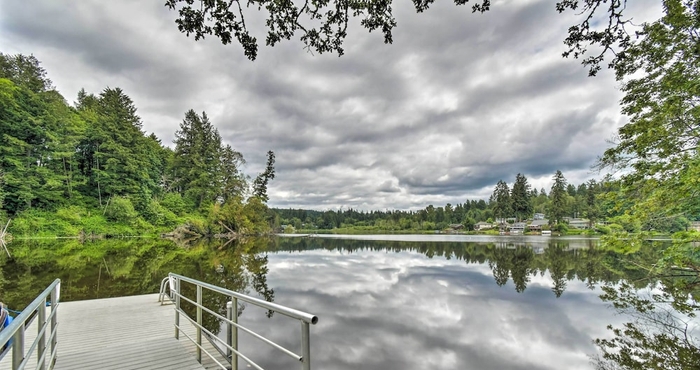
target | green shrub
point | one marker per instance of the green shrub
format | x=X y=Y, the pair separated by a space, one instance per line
x=174 y=203
x=603 y=230
x=561 y=227
x=95 y=224
x=72 y=214
x=120 y=209
x=615 y=228
x=158 y=215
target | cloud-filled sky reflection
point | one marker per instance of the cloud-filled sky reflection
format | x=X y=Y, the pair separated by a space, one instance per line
x=403 y=310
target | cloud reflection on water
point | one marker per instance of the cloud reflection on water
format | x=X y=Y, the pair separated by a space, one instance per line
x=403 y=310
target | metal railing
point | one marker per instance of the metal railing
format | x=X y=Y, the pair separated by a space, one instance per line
x=13 y=335
x=174 y=283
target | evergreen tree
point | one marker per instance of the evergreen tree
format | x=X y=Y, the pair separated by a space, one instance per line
x=115 y=154
x=520 y=197
x=233 y=181
x=592 y=210
x=25 y=71
x=260 y=183
x=2 y=190
x=502 y=203
x=197 y=159
x=558 y=198
x=31 y=120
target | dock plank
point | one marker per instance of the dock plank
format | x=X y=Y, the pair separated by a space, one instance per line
x=135 y=332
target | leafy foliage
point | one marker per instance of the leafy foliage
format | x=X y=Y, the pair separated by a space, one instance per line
x=658 y=150
x=659 y=144
x=323 y=25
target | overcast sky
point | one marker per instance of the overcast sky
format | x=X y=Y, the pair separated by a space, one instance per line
x=458 y=102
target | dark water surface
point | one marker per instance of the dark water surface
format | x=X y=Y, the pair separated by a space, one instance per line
x=406 y=302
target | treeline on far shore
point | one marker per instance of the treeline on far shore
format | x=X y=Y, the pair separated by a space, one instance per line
x=592 y=207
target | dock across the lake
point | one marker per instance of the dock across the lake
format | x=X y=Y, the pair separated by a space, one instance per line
x=135 y=332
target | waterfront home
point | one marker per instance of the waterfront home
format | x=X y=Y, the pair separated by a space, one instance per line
x=518 y=227
x=537 y=225
x=579 y=223
x=483 y=226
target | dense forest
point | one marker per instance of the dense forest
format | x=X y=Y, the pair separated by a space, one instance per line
x=90 y=168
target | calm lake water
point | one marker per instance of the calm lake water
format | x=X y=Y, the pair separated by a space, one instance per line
x=400 y=302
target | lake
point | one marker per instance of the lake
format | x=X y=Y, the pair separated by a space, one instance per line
x=383 y=302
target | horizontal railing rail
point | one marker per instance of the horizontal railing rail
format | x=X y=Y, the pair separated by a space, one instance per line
x=13 y=335
x=174 y=283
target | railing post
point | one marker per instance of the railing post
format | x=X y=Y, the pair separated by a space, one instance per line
x=55 y=296
x=199 y=323
x=177 y=309
x=41 y=348
x=229 y=327
x=232 y=337
x=305 y=346
x=18 y=348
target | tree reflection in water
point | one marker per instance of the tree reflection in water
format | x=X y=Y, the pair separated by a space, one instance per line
x=122 y=267
x=661 y=335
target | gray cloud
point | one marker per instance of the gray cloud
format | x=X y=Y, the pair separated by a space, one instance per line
x=458 y=102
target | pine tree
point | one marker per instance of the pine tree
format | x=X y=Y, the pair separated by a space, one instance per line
x=197 y=159
x=260 y=183
x=32 y=116
x=592 y=210
x=520 y=197
x=558 y=198
x=114 y=154
x=233 y=181
x=501 y=197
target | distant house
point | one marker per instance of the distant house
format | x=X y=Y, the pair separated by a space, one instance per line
x=537 y=225
x=538 y=216
x=483 y=226
x=518 y=227
x=455 y=227
x=506 y=220
x=579 y=223
x=694 y=225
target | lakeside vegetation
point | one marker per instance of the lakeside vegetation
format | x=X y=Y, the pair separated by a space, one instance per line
x=89 y=169
x=597 y=205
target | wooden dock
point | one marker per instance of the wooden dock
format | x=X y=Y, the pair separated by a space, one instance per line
x=135 y=332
